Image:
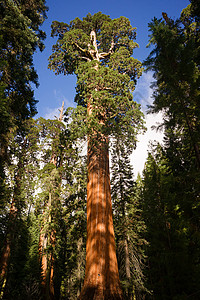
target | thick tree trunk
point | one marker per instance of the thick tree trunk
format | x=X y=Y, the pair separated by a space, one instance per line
x=101 y=275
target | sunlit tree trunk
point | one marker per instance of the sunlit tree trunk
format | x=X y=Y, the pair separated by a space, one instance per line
x=101 y=275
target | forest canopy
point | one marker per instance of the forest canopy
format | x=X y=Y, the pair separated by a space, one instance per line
x=75 y=223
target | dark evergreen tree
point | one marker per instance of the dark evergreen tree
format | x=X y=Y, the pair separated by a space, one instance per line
x=171 y=176
x=75 y=222
x=60 y=208
x=173 y=266
x=20 y=35
x=21 y=177
x=175 y=63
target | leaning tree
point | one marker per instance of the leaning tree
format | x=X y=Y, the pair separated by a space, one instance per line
x=99 y=51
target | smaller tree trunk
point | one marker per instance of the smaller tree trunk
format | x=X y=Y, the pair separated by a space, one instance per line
x=5 y=256
x=47 y=261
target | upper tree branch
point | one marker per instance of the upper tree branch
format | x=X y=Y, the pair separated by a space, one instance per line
x=87 y=53
x=105 y=54
x=92 y=52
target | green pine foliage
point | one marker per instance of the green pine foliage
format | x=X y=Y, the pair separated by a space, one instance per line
x=170 y=212
x=21 y=176
x=129 y=225
x=43 y=172
x=20 y=35
x=171 y=176
x=175 y=63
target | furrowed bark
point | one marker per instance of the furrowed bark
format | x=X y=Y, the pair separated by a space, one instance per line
x=101 y=274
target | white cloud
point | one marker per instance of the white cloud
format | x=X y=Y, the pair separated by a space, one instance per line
x=143 y=95
x=52 y=113
x=60 y=97
x=140 y=154
x=143 y=92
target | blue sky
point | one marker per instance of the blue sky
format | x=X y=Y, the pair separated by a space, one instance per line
x=54 y=89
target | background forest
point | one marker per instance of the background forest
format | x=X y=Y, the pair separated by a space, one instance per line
x=43 y=162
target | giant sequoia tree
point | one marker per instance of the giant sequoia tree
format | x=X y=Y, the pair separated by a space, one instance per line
x=98 y=50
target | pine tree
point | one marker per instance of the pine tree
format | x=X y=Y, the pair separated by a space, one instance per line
x=172 y=230
x=175 y=63
x=129 y=226
x=51 y=181
x=23 y=146
x=98 y=50
x=20 y=35
x=75 y=222
x=173 y=171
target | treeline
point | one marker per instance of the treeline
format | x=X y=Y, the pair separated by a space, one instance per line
x=44 y=169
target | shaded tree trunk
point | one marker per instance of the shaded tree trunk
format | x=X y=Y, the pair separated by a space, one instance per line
x=47 y=260
x=129 y=290
x=101 y=275
x=5 y=256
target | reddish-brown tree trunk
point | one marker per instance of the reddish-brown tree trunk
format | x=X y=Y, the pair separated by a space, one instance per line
x=101 y=275
x=5 y=256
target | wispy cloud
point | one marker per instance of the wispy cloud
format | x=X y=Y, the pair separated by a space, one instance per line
x=143 y=92
x=59 y=97
x=52 y=113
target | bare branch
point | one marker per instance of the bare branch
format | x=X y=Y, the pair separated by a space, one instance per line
x=105 y=54
x=85 y=51
x=86 y=58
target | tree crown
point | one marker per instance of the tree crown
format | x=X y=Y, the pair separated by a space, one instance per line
x=99 y=51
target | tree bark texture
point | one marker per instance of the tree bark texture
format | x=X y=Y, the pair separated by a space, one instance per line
x=5 y=256
x=101 y=275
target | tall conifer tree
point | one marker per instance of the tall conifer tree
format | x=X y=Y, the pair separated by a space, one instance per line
x=98 y=50
x=129 y=226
